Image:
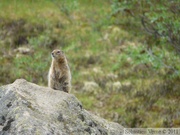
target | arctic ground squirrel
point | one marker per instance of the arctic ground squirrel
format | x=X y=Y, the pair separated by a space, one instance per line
x=59 y=77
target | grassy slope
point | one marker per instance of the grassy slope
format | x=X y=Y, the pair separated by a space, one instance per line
x=98 y=51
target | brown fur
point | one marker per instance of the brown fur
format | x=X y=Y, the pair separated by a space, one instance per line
x=59 y=77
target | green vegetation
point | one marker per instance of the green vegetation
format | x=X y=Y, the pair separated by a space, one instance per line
x=131 y=77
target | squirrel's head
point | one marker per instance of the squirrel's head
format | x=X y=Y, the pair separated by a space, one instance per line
x=58 y=55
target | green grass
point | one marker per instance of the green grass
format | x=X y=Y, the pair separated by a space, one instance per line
x=98 y=50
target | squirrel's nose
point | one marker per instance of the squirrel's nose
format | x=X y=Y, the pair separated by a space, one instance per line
x=52 y=54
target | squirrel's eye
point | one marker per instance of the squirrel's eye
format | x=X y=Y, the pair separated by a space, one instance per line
x=58 y=51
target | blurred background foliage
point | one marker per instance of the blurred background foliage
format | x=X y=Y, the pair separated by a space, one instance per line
x=123 y=55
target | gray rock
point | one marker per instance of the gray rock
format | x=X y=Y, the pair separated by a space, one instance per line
x=29 y=109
